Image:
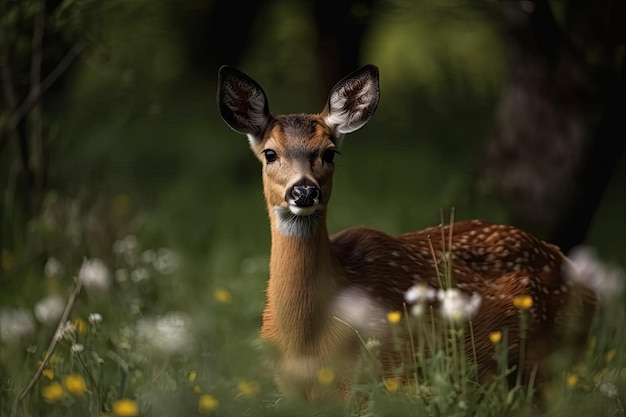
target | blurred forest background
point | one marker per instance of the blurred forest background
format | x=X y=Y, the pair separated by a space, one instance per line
x=511 y=111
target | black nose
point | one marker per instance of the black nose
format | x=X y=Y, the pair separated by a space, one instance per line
x=304 y=195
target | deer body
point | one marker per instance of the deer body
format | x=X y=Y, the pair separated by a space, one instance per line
x=325 y=293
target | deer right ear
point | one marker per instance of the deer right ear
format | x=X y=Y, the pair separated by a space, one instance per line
x=242 y=103
x=353 y=100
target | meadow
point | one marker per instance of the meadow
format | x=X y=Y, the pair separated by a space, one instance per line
x=138 y=288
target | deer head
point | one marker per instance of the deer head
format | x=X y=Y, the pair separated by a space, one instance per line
x=297 y=150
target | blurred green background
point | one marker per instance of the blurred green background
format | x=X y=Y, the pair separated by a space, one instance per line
x=129 y=127
x=126 y=139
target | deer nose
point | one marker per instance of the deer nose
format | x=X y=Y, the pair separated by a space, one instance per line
x=304 y=195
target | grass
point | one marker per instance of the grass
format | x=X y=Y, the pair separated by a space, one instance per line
x=146 y=336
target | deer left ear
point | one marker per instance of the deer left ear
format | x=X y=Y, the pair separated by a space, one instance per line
x=242 y=103
x=353 y=100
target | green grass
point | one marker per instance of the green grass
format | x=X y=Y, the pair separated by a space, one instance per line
x=176 y=339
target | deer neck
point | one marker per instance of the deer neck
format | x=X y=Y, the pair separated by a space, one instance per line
x=303 y=280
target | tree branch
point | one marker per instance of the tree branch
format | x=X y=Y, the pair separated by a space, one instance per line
x=34 y=96
x=51 y=347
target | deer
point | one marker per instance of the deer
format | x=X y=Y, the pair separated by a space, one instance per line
x=327 y=293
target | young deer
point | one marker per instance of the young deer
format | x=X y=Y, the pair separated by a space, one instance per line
x=325 y=294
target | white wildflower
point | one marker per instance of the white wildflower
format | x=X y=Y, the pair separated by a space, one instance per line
x=356 y=308
x=420 y=293
x=94 y=275
x=52 y=268
x=49 y=309
x=418 y=310
x=608 y=389
x=139 y=274
x=372 y=344
x=16 y=325
x=148 y=256
x=65 y=330
x=121 y=275
x=127 y=248
x=456 y=306
x=77 y=349
x=127 y=245
x=170 y=333
x=249 y=266
x=94 y=318
x=166 y=261
x=586 y=269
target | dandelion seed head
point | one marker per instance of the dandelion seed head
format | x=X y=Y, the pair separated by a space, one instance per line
x=49 y=309
x=608 y=389
x=53 y=268
x=420 y=293
x=359 y=310
x=586 y=269
x=166 y=261
x=170 y=333
x=16 y=325
x=456 y=306
x=94 y=275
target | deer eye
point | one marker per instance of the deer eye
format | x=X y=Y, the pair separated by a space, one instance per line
x=329 y=155
x=270 y=155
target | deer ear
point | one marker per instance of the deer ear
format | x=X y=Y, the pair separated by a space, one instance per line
x=242 y=103
x=353 y=100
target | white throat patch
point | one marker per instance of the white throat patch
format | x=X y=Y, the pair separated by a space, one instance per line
x=293 y=225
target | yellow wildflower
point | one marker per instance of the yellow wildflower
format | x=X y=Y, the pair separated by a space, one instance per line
x=48 y=373
x=52 y=393
x=610 y=355
x=75 y=384
x=6 y=259
x=326 y=376
x=523 y=302
x=248 y=388
x=571 y=380
x=394 y=317
x=80 y=324
x=121 y=204
x=125 y=407
x=495 y=337
x=197 y=389
x=222 y=295
x=192 y=376
x=207 y=403
x=392 y=384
